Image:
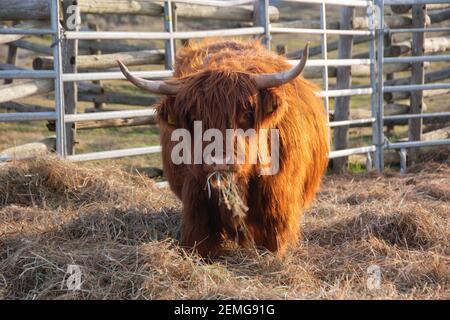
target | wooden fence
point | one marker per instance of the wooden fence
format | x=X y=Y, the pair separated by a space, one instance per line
x=84 y=59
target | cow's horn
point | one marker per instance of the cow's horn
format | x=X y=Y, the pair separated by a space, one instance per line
x=270 y=80
x=160 y=87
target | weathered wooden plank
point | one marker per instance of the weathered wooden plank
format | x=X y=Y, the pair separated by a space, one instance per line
x=111 y=46
x=24 y=10
x=31 y=46
x=11 y=59
x=431 y=6
x=417 y=77
x=343 y=81
x=106 y=61
x=7 y=38
x=331 y=46
x=117 y=98
x=24 y=107
x=431 y=45
x=25 y=89
x=69 y=61
x=439 y=16
x=40 y=9
x=395 y=21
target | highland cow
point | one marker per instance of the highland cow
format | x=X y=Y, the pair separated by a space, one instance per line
x=241 y=85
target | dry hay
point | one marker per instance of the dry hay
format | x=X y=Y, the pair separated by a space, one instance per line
x=124 y=234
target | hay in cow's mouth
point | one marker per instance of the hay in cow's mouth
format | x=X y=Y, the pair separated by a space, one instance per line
x=228 y=193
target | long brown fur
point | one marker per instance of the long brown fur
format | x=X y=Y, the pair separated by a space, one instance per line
x=217 y=88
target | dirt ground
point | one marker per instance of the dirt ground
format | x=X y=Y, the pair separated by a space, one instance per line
x=123 y=233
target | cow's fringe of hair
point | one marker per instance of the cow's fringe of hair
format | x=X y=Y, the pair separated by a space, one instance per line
x=229 y=195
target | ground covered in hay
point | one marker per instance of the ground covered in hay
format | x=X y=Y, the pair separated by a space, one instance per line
x=123 y=232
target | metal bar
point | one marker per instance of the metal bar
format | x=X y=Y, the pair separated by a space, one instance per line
x=120 y=35
x=115 y=154
x=26 y=31
x=333 y=62
x=266 y=26
x=349 y=3
x=27 y=74
x=345 y=92
x=59 y=85
x=415 y=144
x=349 y=152
x=411 y=2
x=403 y=162
x=417 y=87
x=27 y=116
x=323 y=26
x=350 y=122
x=417 y=59
x=223 y=4
x=320 y=31
x=406 y=30
x=89 y=76
x=169 y=44
x=379 y=125
x=419 y=115
x=69 y=118
x=373 y=81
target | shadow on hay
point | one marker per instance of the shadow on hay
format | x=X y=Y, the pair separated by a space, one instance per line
x=125 y=233
x=404 y=229
x=130 y=226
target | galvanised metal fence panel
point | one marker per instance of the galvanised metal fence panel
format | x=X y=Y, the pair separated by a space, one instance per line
x=376 y=60
x=55 y=74
x=384 y=142
x=326 y=93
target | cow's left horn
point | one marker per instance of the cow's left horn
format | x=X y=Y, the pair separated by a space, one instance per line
x=270 y=80
x=160 y=87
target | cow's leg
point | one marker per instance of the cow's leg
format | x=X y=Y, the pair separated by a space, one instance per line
x=274 y=218
x=201 y=227
x=276 y=232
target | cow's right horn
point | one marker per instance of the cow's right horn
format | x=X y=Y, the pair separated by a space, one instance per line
x=271 y=80
x=157 y=86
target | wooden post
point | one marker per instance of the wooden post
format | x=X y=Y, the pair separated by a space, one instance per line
x=389 y=76
x=71 y=20
x=281 y=49
x=175 y=26
x=169 y=44
x=261 y=19
x=11 y=59
x=343 y=81
x=97 y=105
x=417 y=77
x=387 y=44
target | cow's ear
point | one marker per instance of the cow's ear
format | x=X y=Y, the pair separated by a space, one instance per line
x=268 y=102
x=165 y=115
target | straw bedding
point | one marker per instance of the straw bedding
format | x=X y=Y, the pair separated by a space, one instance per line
x=123 y=232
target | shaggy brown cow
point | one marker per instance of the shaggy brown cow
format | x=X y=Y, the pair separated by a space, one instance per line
x=230 y=84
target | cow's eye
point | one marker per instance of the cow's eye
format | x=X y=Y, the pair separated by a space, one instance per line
x=190 y=121
x=250 y=116
x=247 y=118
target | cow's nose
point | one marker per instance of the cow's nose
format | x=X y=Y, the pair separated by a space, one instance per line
x=227 y=160
x=215 y=163
x=219 y=160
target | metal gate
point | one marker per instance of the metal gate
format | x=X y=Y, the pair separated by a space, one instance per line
x=262 y=27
